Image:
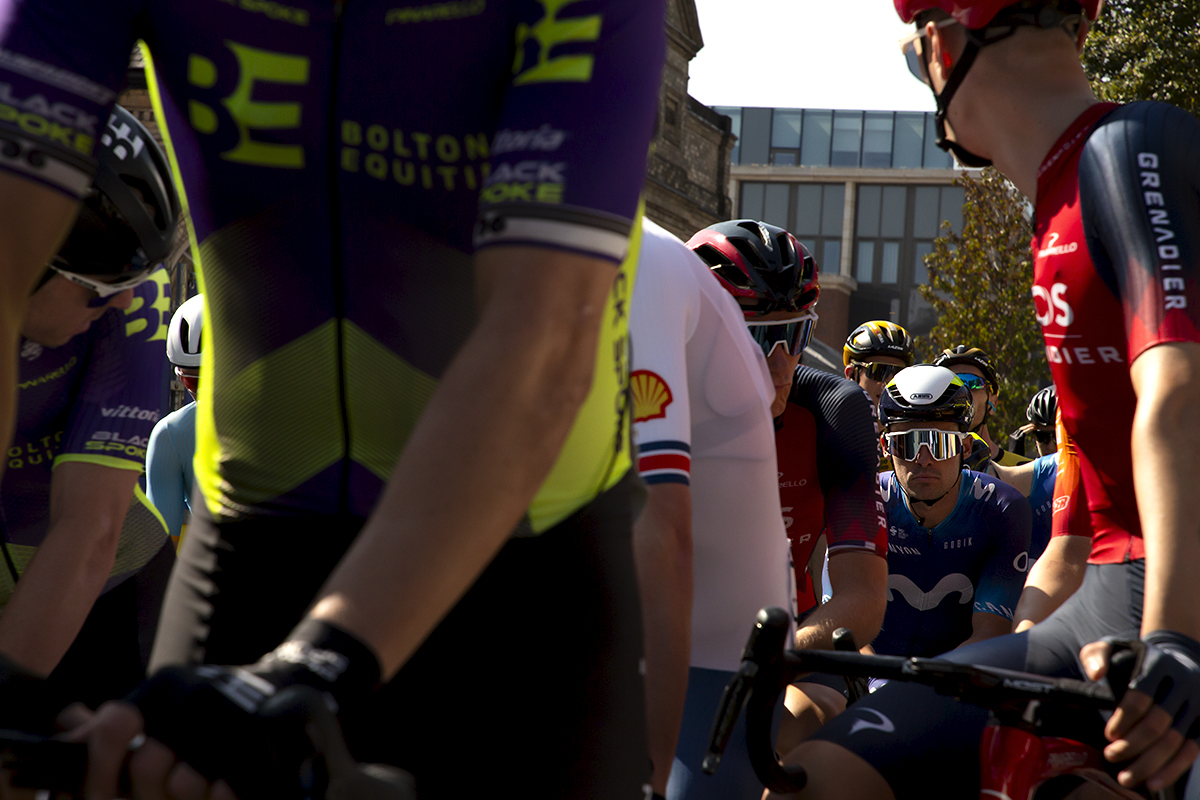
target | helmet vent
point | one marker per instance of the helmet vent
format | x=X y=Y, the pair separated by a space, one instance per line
x=751 y=255
x=712 y=256
x=786 y=251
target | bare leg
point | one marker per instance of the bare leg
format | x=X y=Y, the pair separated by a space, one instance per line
x=834 y=773
x=809 y=706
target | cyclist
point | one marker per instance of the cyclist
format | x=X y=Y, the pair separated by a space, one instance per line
x=974 y=368
x=824 y=443
x=416 y=318
x=958 y=540
x=1115 y=248
x=1041 y=413
x=710 y=543
x=874 y=352
x=85 y=555
x=169 y=478
x=1036 y=479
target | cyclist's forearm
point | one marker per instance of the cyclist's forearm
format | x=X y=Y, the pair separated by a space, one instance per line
x=57 y=590
x=486 y=441
x=1166 y=459
x=663 y=551
x=859 y=584
x=1054 y=577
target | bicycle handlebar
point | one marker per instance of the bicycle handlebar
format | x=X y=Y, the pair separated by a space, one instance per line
x=767 y=668
x=39 y=762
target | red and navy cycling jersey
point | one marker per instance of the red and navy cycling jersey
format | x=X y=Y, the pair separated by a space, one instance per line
x=95 y=400
x=973 y=561
x=825 y=443
x=1117 y=238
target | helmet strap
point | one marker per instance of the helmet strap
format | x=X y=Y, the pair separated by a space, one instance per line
x=964 y=156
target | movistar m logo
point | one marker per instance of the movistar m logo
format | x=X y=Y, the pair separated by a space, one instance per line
x=927 y=601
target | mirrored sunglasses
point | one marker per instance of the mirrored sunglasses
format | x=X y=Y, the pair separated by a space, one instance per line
x=941 y=444
x=793 y=334
x=877 y=372
x=911 y=46
x=971 y=381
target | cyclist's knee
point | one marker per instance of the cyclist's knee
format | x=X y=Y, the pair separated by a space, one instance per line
x=834 y=773
x=809 y=706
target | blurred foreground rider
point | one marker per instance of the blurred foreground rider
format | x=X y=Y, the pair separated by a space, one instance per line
x=75 y=525
x=414 y=410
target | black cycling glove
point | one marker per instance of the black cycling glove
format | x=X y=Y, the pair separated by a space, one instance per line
x=28 y=703
x=232 y=723
x=1169 y=672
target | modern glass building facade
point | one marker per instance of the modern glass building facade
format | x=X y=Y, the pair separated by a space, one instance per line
x=866 y=191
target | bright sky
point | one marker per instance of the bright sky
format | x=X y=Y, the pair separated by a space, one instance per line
x=804 y=54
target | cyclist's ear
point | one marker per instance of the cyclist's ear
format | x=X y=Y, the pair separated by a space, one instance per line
x=852 y=373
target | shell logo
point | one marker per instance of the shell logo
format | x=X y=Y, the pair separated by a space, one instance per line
x=651 y=395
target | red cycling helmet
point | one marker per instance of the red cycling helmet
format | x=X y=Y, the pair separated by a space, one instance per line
x=975 y=14
x=762 y=266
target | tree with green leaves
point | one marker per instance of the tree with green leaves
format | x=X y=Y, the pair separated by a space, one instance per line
x=979 y=286
x=1146 y=50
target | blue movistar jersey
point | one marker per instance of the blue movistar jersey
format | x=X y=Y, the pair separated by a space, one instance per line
x=1041 y=500
x=973 y=561
x=169 y=476
x=341 y=163
x=94 y=400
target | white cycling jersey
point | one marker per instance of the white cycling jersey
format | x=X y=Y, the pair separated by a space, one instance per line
x=702 y=416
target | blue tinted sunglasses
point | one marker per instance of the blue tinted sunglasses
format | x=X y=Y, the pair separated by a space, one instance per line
x=972 y=381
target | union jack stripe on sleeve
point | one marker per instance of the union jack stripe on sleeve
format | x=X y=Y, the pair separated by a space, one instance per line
x=665 y=462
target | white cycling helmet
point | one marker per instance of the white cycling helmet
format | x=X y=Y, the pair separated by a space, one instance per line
x=183 y=337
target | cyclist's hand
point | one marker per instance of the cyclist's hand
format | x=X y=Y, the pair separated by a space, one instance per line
x=153 y=770
x=1157 y=723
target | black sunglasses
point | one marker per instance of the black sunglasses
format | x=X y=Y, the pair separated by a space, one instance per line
x=876 y=371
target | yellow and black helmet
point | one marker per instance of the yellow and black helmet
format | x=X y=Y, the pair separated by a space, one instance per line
x=878 y=338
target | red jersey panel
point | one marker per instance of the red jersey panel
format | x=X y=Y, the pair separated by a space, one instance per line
x=1115 y=260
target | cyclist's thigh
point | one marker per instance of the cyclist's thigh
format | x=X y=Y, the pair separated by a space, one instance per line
x=735 y=778
x=1108 y=603
x=530 y=686
x=239 y=588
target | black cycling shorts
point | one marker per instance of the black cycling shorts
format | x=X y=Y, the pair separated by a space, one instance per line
x=926 y=745
x=529 y=687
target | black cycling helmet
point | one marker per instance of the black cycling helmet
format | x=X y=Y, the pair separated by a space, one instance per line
x=762 y=266
x=126 y=224
x=926 y=393
x=878 y=338
x=973 y=356
x=1043 y=408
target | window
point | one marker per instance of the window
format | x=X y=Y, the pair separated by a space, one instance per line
x=889 y=265
x=783 y=159
x=847 y=138
x=864 y=268
x=831 y=257
x=920 y=271
x=909 y=140
x=891 y=212
x=877 y=139
x=808 y=210
x=952 y=203
x=833 y=209
x=756 y=135
x=935 y=157
x=817 y=135
x=785 y=129
x=775 y=205
x=925 y=212
x=751 y=206
x=868 y=210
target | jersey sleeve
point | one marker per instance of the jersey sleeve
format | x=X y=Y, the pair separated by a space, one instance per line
x=124 y=390
x=662 y=316
x=1070 y=515
x=1139 y=190
x=62 y=64
x=847 y=457
x=1003 y=576
x=165 y=484
x=569 y=156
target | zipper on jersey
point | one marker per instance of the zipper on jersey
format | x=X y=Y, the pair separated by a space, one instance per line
x=335 y=236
